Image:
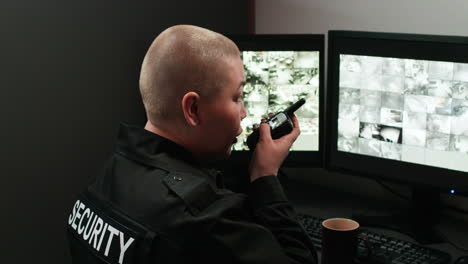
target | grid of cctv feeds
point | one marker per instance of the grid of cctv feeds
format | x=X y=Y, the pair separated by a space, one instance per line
x=404 y=109
x=276 y=79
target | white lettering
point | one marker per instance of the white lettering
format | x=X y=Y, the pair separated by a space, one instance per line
x=96 y=229
x=86 y=212
x=73 y=214
x=96 y=232
x=124 y=246
x=102 y=237
x=78 y=215
x=88 y=231
x=113 y=232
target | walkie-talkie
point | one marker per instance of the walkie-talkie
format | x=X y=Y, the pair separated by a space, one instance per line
x=280 y=124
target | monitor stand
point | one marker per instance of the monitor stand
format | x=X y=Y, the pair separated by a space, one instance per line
x=418 y=221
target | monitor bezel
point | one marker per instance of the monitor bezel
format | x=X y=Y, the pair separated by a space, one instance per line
x=396 y=45
x=290 y=42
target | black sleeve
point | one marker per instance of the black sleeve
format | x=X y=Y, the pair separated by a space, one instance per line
x=271 y=235
x=273 y=210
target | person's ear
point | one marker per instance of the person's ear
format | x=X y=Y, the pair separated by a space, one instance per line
x=190 y=108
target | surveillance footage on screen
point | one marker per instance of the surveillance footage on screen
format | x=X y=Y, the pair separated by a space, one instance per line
x=275 y=80
x=404 y=109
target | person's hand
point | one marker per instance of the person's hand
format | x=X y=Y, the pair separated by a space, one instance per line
x=270 y=153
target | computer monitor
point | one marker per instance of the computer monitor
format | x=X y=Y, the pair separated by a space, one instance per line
x=397 y=109
x=281 y=69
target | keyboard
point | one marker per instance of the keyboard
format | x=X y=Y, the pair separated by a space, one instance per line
x=385 y=249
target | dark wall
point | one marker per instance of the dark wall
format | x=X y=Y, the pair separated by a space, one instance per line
x=68 y=75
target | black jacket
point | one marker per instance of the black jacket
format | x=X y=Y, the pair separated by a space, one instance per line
x=157 y=183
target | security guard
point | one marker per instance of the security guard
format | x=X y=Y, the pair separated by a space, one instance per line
x=158 y=200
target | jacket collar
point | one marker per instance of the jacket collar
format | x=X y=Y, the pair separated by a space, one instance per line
x=137 y=140
x=152 y=149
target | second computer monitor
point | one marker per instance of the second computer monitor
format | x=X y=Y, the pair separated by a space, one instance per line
x=398 y=107
x=281 y=69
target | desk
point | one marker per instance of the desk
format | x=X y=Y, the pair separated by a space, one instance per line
x=326 y=203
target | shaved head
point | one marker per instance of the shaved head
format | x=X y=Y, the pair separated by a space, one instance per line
x=183 y=59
